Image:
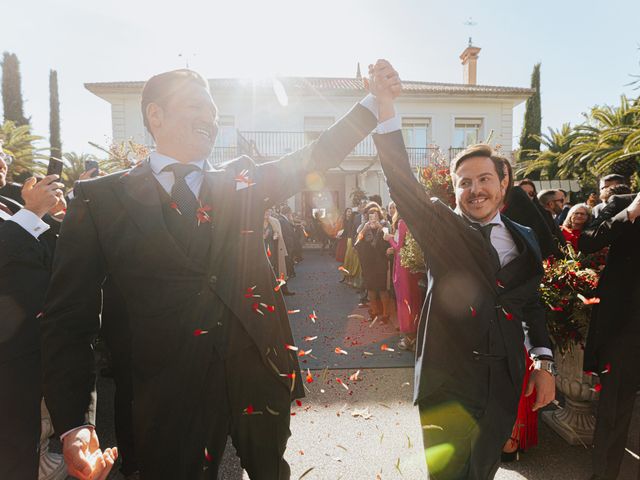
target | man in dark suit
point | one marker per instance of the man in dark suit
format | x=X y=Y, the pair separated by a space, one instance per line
x=483 y=276
x=210 y=335
x=26 y=247
x=613 y=343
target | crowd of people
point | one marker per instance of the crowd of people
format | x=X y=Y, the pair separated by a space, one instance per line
x=166 y=261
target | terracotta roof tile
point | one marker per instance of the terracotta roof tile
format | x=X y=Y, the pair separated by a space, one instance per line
x=338 y=86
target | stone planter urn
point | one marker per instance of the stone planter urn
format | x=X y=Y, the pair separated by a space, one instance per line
x=576 y=421
x=52 y=465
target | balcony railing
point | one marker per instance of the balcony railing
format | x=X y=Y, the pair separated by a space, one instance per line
x=264 y=146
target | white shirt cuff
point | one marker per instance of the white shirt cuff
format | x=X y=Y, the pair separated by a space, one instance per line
x=537 y=351
x=74 y=429
x=391 y=125
x=30 y=222
x=371 y=104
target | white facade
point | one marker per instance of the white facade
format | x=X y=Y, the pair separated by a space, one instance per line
x=446 y=115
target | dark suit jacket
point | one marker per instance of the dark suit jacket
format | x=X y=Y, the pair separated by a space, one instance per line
x=25 y=267
x=115 y=226
x=619 y=285
x=464 y=296
x=524 y=211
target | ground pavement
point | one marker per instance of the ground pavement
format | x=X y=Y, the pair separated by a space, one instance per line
x=370 y=429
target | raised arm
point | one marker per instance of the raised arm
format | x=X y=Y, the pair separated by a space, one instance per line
x=615 y=219
x=283 y=178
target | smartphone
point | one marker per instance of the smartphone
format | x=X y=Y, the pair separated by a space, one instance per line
x=55 y=167
x=89 y=164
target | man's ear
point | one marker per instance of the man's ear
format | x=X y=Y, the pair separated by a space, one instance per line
x=155 y=116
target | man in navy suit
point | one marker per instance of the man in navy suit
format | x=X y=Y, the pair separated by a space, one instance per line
x=483 y=273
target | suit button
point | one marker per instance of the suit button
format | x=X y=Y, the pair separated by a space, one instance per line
x=213 y=280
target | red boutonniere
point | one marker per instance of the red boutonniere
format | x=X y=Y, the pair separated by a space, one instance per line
x=243 y=180
x=202 y=214
x=174 y=206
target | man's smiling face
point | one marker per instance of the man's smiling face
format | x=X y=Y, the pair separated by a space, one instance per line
x=185 y=128
x=479 y=190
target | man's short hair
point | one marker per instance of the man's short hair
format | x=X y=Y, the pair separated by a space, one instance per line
x=618 y=189
x=614 y=177
x=160 y=88
x=500 y=163
x=546 y=196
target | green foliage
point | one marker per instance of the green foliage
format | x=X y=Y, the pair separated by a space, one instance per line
x=608 y=142
x=18 y=142
x=12 y=91
x=54 y=116
x=531 y=130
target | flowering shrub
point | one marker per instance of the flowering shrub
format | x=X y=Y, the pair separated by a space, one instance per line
x=567 y=291
x=436 y=179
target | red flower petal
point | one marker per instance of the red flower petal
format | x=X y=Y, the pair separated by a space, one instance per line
x=197 y=332
x=299 y=403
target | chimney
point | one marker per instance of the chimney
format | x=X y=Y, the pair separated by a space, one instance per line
x=470 y=64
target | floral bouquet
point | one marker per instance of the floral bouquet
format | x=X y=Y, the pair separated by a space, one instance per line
x=567 y=290
x=436 y=179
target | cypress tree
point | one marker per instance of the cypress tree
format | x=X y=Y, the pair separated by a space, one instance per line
x=11 y=90
x=54 y=116
x=532 y=118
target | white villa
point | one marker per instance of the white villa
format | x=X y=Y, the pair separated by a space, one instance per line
x=267 y=119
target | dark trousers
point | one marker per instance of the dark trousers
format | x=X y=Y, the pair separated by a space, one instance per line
x=465 y=424
x=239 y=397
x=20 y=395
x=615 y=408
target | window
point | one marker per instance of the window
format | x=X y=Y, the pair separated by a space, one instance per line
x=226 y=131
x=314 y=126
x=416 y=132
x=467 y=132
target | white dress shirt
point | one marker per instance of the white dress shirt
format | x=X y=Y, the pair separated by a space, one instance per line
x=194 y=179
x=28 y=220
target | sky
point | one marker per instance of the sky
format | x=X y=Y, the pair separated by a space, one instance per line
x=588 y=49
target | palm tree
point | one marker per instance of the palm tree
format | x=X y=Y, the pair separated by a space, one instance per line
x=19 y=143
x=74 y=166
x=547 y=161
x=609 y=142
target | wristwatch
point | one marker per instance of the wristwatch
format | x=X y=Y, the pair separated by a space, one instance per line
x=548 y=366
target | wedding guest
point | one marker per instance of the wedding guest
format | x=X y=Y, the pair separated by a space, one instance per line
x=372 y=252
x=351 y=259
x=469 y=351
x=606 y=193
x=613 y=342
x=209 y=331
x=529 y=188
x=551 y=202
x=606 y=182
x=288 y=235
x=565 y=207
x=276 y=247
x=26 y=250
x=592 y=200
x=577 y=219
x=345 y=225
x=409 y=295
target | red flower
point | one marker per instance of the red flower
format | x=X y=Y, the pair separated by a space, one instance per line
x=202 y=215
x=174 y=206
